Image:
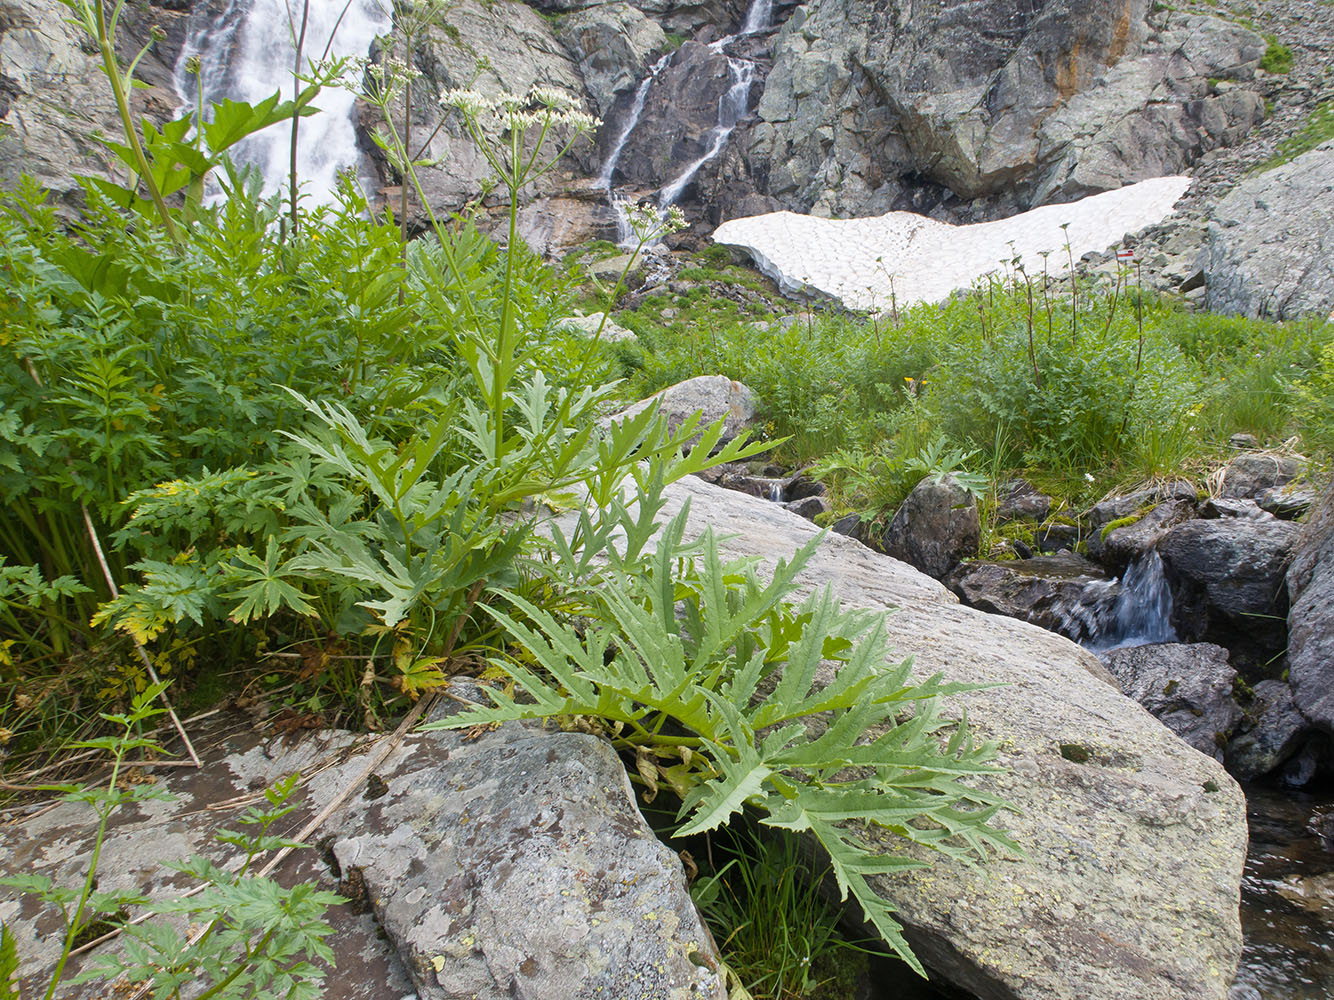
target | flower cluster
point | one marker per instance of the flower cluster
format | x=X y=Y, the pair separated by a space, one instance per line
x=541 y=107
x=651 y=223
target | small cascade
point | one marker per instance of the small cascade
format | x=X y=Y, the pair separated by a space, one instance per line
x=247 y=52
x=1112 y=614
x=776 y=492
x=631 y=120
x=732 y=107
x=1142 y=612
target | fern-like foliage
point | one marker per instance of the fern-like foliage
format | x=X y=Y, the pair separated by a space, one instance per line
x=735 y=698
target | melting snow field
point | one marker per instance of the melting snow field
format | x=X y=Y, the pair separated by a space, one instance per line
x=855 y=260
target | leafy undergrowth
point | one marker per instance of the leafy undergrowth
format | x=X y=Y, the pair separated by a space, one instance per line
x=1126 y=387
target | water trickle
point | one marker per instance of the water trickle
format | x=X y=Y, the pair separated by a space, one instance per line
x=1113 y=614
x=631 y=120
x=247 y=53
x=1142 y=612
x=732 y=107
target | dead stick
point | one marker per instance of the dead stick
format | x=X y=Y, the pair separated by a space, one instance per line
x=143 y=654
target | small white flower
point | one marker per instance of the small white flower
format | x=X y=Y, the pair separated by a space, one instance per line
x=1088 y=476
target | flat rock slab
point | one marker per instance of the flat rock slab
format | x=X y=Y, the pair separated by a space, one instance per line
x=513 y=865
x=1135 y=841
x=903 y=257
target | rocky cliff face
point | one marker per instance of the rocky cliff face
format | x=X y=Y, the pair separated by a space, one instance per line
x=1058 y=100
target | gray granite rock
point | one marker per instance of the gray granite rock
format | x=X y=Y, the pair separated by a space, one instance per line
x=935 y=528
x=1187 y=687
x=1114 y=808
x=518 y=865
x=713 y=396
x=1269 y=254
x=510 y=864
x=1311 y=618
x=613 y=45
x=1250 y=476
x=868 y=100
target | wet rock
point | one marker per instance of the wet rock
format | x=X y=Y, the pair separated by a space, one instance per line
x=1216 y=507
x=613 y=45
x=1288 y=502
x=1311 y=620
x=1276 y=732
x=1021 y=501
x=1121 y=546
x=1143 y=815
x=714 y=397
x=1062 y=593
x=1250 y=476
x=801 y=486
x=936 y=527
x=1187 y=687
x=1227 y=581
x=1135 y=504
x=1057 y=537
x=1269 y=254
x=764 y=487
x=678 y=120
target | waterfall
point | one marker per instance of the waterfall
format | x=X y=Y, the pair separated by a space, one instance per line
x=247 y=52
x=632 y=119
x=732 y=107
x=1110 y=614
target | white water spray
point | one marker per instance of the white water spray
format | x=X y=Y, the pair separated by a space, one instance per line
x=247 y=53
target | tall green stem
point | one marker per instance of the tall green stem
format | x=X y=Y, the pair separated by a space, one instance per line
x=109 y=61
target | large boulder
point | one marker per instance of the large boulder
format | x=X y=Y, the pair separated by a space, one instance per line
x=1311 y=618
x=713 y=397
x=1188 y=687
x=936 y=527
x=514 y=863
x=1114 y=809
x=1270 y=255
x=868 y=99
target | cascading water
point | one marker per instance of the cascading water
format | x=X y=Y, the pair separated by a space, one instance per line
x=732 y=107
x=1109 y=616
x=247 y=52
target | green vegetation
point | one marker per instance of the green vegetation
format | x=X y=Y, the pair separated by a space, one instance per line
x=1126 y=388
x=235 y=432
x=1317 y=129
x=1277 y=57
x=783 y=939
